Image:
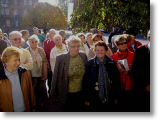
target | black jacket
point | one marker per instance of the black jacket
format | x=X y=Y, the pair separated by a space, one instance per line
x=92 y=72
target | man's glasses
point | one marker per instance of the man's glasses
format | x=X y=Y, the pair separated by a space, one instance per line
x=16 y=39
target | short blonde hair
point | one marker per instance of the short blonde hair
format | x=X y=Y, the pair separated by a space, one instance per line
x=8 y=53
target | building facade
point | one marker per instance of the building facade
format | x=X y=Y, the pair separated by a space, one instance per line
x=11 y=12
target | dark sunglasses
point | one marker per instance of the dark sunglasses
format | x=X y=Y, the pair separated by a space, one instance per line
x=122 y=43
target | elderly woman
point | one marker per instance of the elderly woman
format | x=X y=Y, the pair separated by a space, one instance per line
x=16 y=91
x=124 y=60
x=102 y=84
x=59 y=49
x=68 y=76
x=83 y=42
x=39 y=71
x=15 y=38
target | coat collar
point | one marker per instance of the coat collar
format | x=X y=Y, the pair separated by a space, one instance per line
x=107 y=60
x=3 y=75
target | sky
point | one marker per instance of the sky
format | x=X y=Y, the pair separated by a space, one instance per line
x=53 y=2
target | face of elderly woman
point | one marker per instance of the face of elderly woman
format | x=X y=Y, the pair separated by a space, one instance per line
x=122 y=46
x=100 y=52
x=33 y=44
x=74 y=48
x=58 y=41
x=16 y=40
x=13 y=63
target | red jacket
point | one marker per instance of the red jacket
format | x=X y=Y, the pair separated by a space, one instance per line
x=126 y=78
x=48 y=45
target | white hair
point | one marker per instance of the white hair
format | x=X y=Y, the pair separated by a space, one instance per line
x=33 y=37
x=52 y=30
x=13 y=34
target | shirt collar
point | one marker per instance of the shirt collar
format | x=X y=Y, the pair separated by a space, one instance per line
x=9 y=73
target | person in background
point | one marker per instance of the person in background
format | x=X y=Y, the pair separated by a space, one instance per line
x=6 y=38
x=90 y=43
x=101 y=32
x=16 y=91
x=59 y=49
x=84 y=48
x=15 y=38
x=68 y=76
x=25 y=36
x=3 y=43
x=63 y=35
x=141 y=76
x=39 y=71
x=102 y=84
x=124 y=60
x=132 y=43
x=48 y=46
x=41 y=37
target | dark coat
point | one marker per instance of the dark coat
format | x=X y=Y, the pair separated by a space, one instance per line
x=92 y=72
x=141 y=76
x=141 y=69
x=60 y=78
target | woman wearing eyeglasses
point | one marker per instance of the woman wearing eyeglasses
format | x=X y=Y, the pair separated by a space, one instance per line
x=39 y=71
x=124 y=61
x=68 y=76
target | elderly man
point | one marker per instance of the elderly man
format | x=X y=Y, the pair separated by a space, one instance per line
x=26 y=62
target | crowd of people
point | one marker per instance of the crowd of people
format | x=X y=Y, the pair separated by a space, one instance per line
x=84 y=72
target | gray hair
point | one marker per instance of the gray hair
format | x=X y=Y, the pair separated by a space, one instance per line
x=52 y=30
x=33 y=37
x=73 y=39
x=13 y=34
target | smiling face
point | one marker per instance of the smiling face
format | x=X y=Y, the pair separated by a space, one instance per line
x=100 y=52
x=16 y=40
x=13 y=62
x=11 y=58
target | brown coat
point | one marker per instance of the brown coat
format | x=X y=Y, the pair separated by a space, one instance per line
x=60 y=77
x=6 y=100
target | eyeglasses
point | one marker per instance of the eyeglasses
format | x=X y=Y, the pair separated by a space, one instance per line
x=122 y=43
x=16 y=39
